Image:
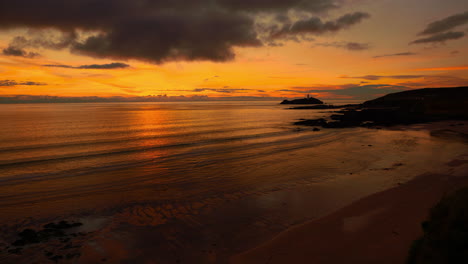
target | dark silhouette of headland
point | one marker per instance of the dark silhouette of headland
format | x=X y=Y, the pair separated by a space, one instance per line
x=408 y=107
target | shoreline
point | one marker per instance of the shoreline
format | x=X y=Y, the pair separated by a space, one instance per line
x=376 y=160
x=378 y=228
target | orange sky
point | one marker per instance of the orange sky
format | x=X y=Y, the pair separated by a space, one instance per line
x=291 y=70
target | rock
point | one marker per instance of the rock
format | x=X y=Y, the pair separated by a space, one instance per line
x=28 y=236
x=309 y=100
x=429 y=104
x=62 y=225
x=56 y=258
x=19 y=243
x=336 y=117
x=16 y=251
x=445 y=232
x=408 y=107
x=324 y=106
x=51 y=230
x=47 y=234
x=316 y=129
x=73 y=255
x=312 y=122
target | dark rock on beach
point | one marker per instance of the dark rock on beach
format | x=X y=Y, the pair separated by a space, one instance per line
x=16 y=251
x=312 y=122
x=62 y=225
x=50 y=231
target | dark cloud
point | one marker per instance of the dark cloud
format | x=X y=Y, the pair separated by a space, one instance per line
x=109 y=66
x=437 y=81
x=221 y=90
x=159 y=30
x=9 y=83
x=378 y=77
x=446 y=24
x=355 y=91
x=315 y=25
x=18 y=52
x=114 y=65
x=280 y=5
x=440 y=31
x=440 y=38
x=45 y=39
x=367 y=91
x=325 y=87
x=395 y=55
x=200 y=35
x=354 y=46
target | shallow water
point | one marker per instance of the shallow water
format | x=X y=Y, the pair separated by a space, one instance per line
x=55 y=152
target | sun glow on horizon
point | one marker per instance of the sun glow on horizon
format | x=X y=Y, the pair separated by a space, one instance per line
x=361 y=55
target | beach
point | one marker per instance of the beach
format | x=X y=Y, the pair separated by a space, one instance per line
x=379 y=228
x=233 y=131
x=145 y=195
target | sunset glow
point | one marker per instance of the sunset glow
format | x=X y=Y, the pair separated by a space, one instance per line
x=377 y=38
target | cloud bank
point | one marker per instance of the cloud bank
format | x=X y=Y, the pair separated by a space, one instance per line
x=161 y=30
x=353 y=46
x=441 y=31
x=378 y=77
x=446 y=24
x=395 y=55
x=109 y=66
x=9 y=83
x=315 y=25
x=18 y=52
x=438 y=38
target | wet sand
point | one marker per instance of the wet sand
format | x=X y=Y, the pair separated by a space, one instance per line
x=379 y=228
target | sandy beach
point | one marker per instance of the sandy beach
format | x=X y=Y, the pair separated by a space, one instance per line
x=379 y=228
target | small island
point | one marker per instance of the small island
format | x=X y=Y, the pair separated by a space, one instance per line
x=308 y=100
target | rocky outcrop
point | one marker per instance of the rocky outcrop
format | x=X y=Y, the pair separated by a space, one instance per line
x=309 y=100
x=326 y=106
x=408 y=107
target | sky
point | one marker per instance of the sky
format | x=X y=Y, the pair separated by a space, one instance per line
x=330 y=49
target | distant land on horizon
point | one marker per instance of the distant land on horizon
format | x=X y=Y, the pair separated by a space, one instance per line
x=21 y=99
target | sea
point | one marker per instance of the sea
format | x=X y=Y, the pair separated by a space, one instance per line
x=196 y=179
x=57 y=152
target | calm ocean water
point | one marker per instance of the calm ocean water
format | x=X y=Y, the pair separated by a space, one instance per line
x=164 y=182
x=125 y=152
